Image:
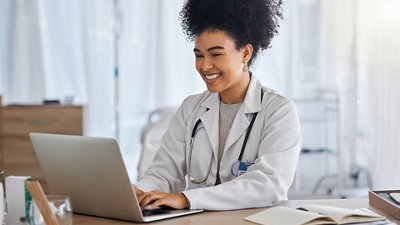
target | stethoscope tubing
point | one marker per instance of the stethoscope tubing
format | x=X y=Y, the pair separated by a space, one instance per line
x=193 y=135
x=191 y=179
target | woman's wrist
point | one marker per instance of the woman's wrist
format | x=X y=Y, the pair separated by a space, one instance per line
x=187 y=201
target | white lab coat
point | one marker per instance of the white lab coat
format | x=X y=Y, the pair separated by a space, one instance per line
x=273 y=145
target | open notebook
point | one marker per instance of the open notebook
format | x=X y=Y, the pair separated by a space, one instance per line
x=92 y=173
x=313 y=215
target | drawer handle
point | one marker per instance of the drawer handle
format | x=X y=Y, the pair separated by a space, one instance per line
x=41 y=122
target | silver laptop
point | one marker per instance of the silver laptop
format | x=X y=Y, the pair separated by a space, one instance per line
x=92 y=172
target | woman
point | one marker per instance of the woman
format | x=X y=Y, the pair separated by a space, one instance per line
x=235 y=145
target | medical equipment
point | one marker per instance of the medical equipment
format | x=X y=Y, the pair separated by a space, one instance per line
x=238 y=168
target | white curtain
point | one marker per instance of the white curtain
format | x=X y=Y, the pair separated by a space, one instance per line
x=63 y=49
x=359 y=55
x=39 y=46
x=378 y=72
x=337 y=69
x=58 y=49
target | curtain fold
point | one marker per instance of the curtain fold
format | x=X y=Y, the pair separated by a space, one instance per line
x=26 y=56
x=378 y=51
x=337 y=71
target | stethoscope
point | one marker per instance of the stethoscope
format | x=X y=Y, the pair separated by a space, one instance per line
x=238 y=167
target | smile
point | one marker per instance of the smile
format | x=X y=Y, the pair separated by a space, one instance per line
x=213 y=76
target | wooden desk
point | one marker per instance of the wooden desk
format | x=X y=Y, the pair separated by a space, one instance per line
x=231 y=217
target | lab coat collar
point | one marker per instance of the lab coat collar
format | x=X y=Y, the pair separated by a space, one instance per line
x=210 y=120
x=252 y=101
x=251 y=104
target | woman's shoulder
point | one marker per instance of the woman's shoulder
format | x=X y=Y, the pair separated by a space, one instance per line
x=269 y=94
x=192 y=102
x=196 y=99
x=275 y=100
x=191 y=106
x=272 y=94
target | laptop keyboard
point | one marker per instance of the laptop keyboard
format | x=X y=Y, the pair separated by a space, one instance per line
x=161 y=210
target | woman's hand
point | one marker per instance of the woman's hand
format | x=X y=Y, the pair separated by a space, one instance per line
x=139 y=193
x=154 y=199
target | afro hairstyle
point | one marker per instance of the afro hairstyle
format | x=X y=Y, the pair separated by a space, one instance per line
x=252 y=22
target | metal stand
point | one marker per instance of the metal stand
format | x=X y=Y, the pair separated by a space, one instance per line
x=327 y=105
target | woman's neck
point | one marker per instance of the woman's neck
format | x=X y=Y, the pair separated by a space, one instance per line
x=236 y=93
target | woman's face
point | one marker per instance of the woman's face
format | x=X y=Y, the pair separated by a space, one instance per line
x=222 y=66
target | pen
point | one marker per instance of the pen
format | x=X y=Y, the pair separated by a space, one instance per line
x=301 y=208
x=306 y=210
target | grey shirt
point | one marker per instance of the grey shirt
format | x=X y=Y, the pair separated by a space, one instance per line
x=227 y=114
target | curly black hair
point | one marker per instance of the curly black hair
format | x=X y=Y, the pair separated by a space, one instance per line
x=245 y=21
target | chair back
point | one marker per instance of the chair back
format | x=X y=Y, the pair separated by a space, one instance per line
x=152 y=133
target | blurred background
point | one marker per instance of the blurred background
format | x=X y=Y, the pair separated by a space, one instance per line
x=120 y=60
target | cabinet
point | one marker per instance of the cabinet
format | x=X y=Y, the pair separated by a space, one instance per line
x=16 y=151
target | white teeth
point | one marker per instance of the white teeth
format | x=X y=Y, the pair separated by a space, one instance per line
x=213 y=76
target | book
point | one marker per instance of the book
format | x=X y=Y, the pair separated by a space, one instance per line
x=313 y=215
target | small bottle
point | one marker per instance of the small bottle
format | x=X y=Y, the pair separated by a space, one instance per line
x=18 y=199
x=1 y=202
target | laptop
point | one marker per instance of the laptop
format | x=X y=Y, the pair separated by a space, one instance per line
x=92 y=173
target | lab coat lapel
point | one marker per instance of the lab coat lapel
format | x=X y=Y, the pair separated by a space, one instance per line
x=210 y=120
x=238 y=128
x=251 y=104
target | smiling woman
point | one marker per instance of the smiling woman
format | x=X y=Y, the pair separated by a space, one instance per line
x=238 y=137
x=222 y=66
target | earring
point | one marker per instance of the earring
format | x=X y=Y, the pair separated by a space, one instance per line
x=245 y=69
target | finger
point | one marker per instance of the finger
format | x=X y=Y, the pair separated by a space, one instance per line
x=157 y=203
x=149 y=198
x=137 y=190
x=176 y=201
x=139 y=193
x=140 y=197
x=145 y=198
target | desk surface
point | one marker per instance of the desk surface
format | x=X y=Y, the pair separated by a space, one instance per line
x=231 y=217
